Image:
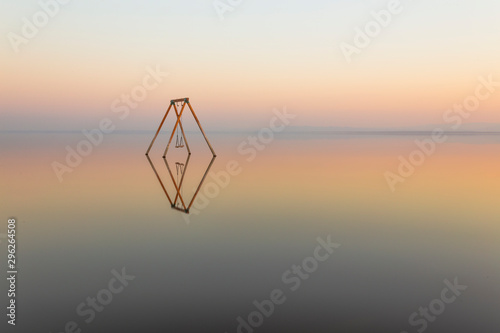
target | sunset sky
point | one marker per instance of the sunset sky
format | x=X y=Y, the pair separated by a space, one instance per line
x=263 y=55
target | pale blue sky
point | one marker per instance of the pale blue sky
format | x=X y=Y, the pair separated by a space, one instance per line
x=263 y=55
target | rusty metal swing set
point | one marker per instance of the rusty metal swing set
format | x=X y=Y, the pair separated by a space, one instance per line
x=180 y=141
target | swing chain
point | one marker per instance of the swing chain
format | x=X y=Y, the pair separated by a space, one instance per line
x=179 y=142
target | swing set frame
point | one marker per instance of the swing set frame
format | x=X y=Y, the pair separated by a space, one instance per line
x=179 y=113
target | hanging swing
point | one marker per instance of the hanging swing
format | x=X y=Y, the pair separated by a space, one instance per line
x=179 y=168
x=179 y=142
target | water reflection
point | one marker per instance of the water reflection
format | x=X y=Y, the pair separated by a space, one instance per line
x=181 y=169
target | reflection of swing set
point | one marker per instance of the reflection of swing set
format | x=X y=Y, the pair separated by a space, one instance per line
x=180 y=141
x=178 y=203
x=179 y=167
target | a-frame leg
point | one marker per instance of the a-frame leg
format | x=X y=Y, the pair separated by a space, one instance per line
x=201 y=183
x=159 y=128
x=159 y=179
x=201 y=129
x=177 y=188
x=182 y=130
x=182 y=179
x=175 y=127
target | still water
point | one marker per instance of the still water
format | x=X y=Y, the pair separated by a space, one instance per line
x=103 y=250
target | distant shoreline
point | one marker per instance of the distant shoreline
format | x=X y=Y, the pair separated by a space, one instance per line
x=316 y=132
x=395 y=132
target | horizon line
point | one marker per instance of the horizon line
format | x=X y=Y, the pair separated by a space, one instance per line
x=317 y=131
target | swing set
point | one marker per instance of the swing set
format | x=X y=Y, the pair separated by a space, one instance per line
x=179 y=105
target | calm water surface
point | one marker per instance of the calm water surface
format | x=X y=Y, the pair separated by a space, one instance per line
x=200 y=272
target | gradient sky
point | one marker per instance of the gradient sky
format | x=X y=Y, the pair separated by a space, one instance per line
x=263 y=55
